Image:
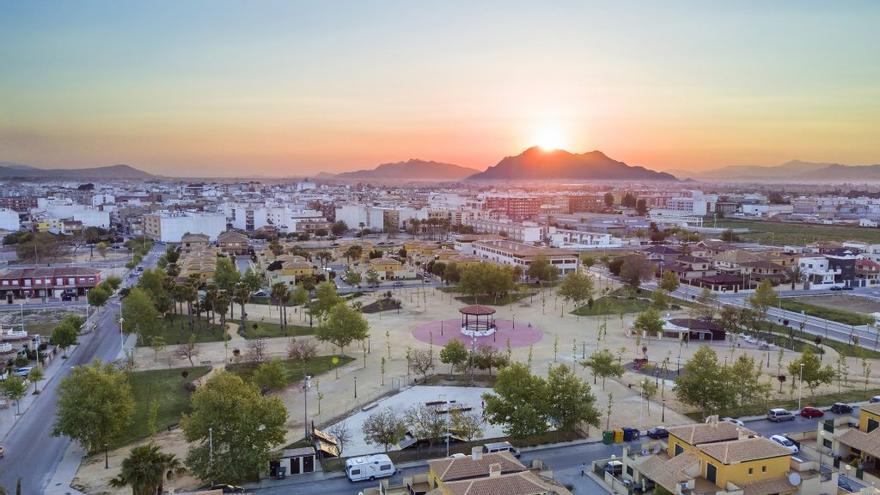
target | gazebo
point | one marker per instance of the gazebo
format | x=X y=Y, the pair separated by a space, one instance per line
x=477 y=320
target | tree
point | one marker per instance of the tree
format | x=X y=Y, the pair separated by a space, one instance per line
x=649 y=322
x=98 y=296
x=454 y=354
x=706 y=307
x=372 y=278
x=764 y=298
x=425 y=423
x=659 y=299
x=270 y=375
x=352 y=277
x=814 y=374
x=354 y=252
x=15 y=387
x=35 y=375
x=422 y=362
x=226 y=274
x=243 y=426
x=189 y=349
x=139 y=313
x=487 y=357
x=648 y=389
x=519 y=402
x=342 y=433
x=569 y=399
x=669 y=282
x=95 y=406
x=325 y=299
x=704 y=383
x=468 y=426
x=302 y=350
x=279 y=296
x=384 y=428
x=609 y=200
x=635 y=269
x=257 y=350
x=343 y=326
x=542 y=270
x=628 y=201
x=64 y=335
x=745 y=381
x=145 y=470
x=486 y=279
x=38 y=247
x=603 y=364
x=641 y=207
x=338 y=228
x=576 y=288
x=729 y=236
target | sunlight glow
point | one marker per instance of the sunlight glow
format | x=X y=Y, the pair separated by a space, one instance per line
x=550 y=138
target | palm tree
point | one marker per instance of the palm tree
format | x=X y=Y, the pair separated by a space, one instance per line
x=279 y=296
x=145 y=469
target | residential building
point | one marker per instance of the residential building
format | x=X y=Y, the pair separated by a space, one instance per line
x=233 y=242
x=170 y=227
x=47 y=282
x=858 y=444
x=522 y=255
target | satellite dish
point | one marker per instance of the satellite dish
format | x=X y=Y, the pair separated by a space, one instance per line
x=794 y=479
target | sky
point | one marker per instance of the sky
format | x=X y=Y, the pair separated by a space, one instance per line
x=285 y=88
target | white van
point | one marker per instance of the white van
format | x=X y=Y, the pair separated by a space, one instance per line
x=369 y=467
x=491 y=448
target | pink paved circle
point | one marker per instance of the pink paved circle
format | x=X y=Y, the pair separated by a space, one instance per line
x=442 y=331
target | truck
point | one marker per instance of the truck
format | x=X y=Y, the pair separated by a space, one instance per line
x=369 y=467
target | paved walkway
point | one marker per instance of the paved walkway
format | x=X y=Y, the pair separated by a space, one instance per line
x=507 y=333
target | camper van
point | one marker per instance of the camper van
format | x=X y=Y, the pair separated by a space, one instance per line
x=369 y=467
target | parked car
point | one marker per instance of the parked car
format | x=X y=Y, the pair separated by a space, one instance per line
x=785 y=442
x=778 y=414
x=836 y=288
x=841 y=408
x=847 y=287
x=658 y=432
x=398 y=284
x=228 y=488
x=734 y=421
x=23 y=372
x=811 y=412
x=875 y=399
x=260 y=293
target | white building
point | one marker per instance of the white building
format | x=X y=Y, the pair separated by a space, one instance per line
x=522 y=255
x=817 y=273
x=170 y=227
x=9 y=220
x=577 y=239
x=516 y=231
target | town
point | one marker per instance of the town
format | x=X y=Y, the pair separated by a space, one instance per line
x=331 y=336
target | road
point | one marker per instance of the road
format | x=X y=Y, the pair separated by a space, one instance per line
x=32 y=453
x=565 y=461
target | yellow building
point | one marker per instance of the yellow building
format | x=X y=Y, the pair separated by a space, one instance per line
x=387 y=268
x=287 y=269
x=861 y=446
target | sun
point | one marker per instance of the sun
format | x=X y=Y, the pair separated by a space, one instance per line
x=550 y=138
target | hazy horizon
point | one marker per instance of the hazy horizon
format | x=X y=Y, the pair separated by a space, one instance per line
x=226 y=88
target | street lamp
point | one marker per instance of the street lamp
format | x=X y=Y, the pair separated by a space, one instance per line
x=307 y=384
x=800 y=386
x=355 y=387
x=663 y=412
x=121 y=334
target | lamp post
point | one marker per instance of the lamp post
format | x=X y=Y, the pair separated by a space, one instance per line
x=121 y=334
x=210 y=450
x=355 y=387
x=663 y=412
x=307 y=384
x=800 y=386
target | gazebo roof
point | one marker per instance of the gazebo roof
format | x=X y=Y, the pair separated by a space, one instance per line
x=477 y=310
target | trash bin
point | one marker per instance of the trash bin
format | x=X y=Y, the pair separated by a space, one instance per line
x=618 y=435
x=627 y=434
x=607 y=437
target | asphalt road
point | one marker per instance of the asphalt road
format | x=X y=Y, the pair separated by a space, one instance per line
x=32 y=453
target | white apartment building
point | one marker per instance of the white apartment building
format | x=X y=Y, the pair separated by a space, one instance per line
x=577 y=239
x=817 y=273
x=247 y=217
x=529 y=232
x=9 y=220
x=170 y=227
x=511 y=253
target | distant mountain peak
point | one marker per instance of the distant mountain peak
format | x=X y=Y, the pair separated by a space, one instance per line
x=535 y=163
x=413 y=169
x=118 y=171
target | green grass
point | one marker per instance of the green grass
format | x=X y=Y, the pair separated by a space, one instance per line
x=779 y=233
x=615 y=303
x=838 y=315
x=780 y=337
x=825 y=400
x=268 y=330
x=320 y=364
x=166 y=388
x=175 y=330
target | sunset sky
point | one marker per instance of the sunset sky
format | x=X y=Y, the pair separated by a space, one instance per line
x=290 y=88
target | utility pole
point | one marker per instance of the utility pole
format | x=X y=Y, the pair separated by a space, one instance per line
x=307 y=384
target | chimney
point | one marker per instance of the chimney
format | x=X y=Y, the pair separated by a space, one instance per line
x=477 y=453
x=495 y=470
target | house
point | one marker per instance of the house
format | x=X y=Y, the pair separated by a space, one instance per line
x=689 y=268
x=387 y=268
x=764 y=270
x=233 y=242
x=867 y=273
x=693 y=329
x=190 y=243
x=498 y=472
x=721 y=458
x=47 y=282
x=288 y=269
x=859 y=444
x=521 y=255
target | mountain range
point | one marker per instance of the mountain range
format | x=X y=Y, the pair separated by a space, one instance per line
x=538 y=164
x=793 y=171
x=10 y=170
x=413 y=170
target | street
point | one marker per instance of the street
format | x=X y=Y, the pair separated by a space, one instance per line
x=32 y=453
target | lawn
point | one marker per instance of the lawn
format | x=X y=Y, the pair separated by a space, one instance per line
x=320 y=364
x=780 y=233
x=268 y=330
x=852 y=395
x=838 y=315
x=166 y=388
x=615 y=303
x=380 y=305
x=175 y=330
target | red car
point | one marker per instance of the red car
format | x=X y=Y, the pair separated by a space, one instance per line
x=811 y=412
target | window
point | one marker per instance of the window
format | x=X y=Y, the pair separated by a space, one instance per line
x=763 y=469
x=678 y=449
x=355 y=472
x=751 y=471
x=385 y=467
x=872 y=425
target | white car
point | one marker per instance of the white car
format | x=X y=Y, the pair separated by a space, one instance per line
x=785 y=442
x=734 y=421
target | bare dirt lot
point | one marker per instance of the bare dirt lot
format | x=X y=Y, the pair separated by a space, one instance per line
x=844 y=302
